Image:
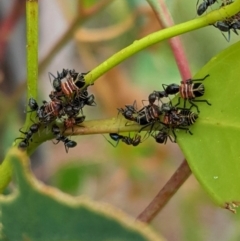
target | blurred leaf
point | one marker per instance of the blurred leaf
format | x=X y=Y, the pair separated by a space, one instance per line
x=71 y=177
x=39 y=212
x=153 y=67
x=213 y=151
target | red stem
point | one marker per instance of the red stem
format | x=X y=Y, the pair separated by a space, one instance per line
x=165 y=20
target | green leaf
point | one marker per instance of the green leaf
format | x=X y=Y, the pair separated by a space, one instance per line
x=39 y=212
x=71 y=177
x=213 y=151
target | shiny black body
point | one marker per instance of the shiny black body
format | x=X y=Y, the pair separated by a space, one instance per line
x=204 y=5
x=163 y=135
x=48 y=112
x=188 y=91
x=59 y=137
x=146 y=115
x=170 y=119
x=28 y=136
x=129 y=112
x=71 y=86
x=135 y=141
x=178 y=118
x=71 y=122
x=228 y=25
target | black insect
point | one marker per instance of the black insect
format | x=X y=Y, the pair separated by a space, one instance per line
x=189 y=117
x=188 y=90
x=71 y=109
x=48 y=112
x=171 y=118
x=59 y=137
x=83 y=99
x=68 y=88
x=51 y=110
x=57 y=81
x=135 y=141
x=32 y=103
x=45 y=114
x=204 y=5
x=129 y=112
x=78 y=78
x=229 y=24
x=74 y=107
x=159 y=95
x=146 y=115
x=163 y=135
x=179 y=118
x=70 y=122
x=28 y=136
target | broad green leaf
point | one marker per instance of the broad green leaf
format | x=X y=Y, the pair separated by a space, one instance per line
x=213 y=151
x=39 y=212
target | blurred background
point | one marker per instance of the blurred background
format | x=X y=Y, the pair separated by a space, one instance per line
x=126 y=177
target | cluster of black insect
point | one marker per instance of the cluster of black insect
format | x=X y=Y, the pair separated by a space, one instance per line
x=164 y=118
x=69 y=97
x=66 y=104
x=226 y=25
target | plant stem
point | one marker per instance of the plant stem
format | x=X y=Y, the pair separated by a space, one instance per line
x=113 y=125
x=176 y=45
x=173 y=184
x=165 y=19
x=32 y=47
x=156 y=37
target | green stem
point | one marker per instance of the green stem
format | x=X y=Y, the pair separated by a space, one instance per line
x=165 y=19
x=32 y=47
x=32 y=53
x=112 y=125
x=156 y=37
